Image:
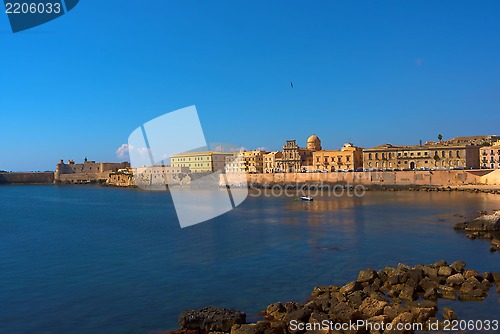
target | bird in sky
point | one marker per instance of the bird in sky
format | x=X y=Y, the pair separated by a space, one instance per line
x=291 y=84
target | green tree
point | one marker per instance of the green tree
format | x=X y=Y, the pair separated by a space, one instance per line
x=440 y=137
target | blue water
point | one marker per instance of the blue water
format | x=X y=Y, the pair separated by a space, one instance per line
x=86 y=259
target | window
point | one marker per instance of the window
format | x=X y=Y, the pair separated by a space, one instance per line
x=418 y=153
x=369 y=156
x=376 y=156
x=442 y=154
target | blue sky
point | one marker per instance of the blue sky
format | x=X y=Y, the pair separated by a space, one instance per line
x=368 y=72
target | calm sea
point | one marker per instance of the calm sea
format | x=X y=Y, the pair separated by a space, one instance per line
x=86 y=259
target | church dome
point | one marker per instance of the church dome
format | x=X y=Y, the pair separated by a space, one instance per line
x=312 y=139
x=314 y=143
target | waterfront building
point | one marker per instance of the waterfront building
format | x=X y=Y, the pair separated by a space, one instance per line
x=245 y=162
x=201 y=162
x=88 y=171
x=270 y=162
x=349 y=157
x=444 y=155
x=490 y=156
x=296 y=159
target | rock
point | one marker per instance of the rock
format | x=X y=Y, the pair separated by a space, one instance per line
x=343 y=313
x=430 y=272
x=211 y=319
x=372 y=307
x=495 y=245
x=427 y=283
x=449 y=314
x=474 y=295
x=496 y=277
x=356 y=298
x=485 y=285
x=455 y=280
x=484 y=223
x=470 y=283
x=292 y=306
x=446 y=292
x=431 y=294
x=320 y=290
x=408 y=292
x=458 y=266
x=488 y=276
x=257 y=328
x=415 y=275
x=440 y=263
x=276 y=311
x=445 y=271
x=403 y=318
x=301 y=314
x=368 y=275
x=350 y=288
x=471 y=273
x=318 y=317
x=422 y=314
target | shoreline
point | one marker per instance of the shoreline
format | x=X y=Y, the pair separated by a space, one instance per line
x=377 y=300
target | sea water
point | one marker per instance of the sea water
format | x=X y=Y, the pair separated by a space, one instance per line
x=85 y=259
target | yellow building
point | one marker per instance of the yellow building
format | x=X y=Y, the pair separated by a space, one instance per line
x=270 y=160
x=201 y=162
x=348 y=158
x=246 y=162
x=296 y=159
x=429 y=156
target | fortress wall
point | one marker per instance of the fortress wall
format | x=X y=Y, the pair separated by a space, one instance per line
x=27 y=178
x=402 y=178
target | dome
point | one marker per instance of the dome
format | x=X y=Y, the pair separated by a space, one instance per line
x=312 y=139
x=313 y=143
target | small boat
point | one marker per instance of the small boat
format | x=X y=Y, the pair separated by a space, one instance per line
x=306 y=198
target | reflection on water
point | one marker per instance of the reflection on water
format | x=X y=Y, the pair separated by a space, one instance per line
x=85 y=259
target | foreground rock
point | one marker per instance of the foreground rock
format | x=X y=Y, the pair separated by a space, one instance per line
x=484 y=227
x=389 y=296
x=484 y=223
x=211 y=319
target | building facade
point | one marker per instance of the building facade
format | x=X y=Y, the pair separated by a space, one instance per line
x=270 y=162
x=87 y=171
x=201 y=162
x=296 y=159
x=246 y=162
x=490 y=156
x=348 y=158
x=429 y=156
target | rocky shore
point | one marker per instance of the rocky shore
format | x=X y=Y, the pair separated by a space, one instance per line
x=484 y=227
x=391 y=296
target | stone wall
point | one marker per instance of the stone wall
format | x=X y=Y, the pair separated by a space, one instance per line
x=401 y=178
x=27 y=178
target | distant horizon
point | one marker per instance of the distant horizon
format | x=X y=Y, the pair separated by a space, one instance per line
x=245 y=148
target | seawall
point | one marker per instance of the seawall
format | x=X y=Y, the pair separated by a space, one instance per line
x=27 y=178
x=452 y=178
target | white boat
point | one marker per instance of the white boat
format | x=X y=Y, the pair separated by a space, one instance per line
x=306 y=198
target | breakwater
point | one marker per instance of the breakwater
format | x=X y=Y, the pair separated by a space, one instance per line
x=27 y=178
